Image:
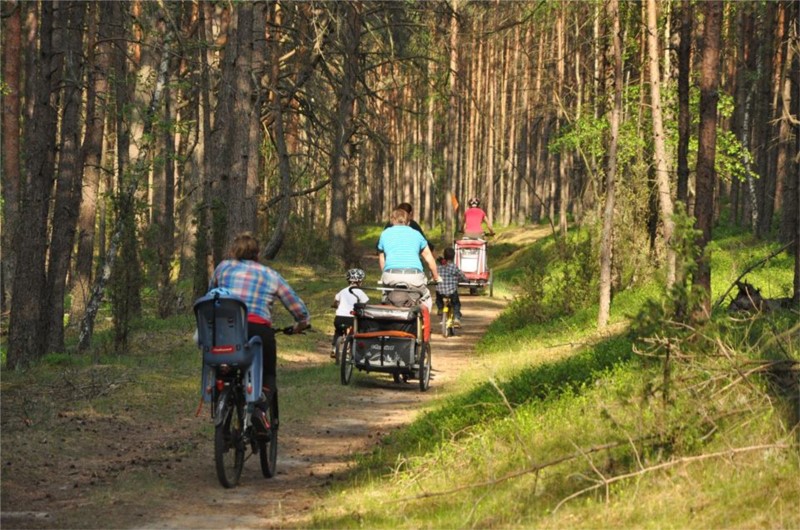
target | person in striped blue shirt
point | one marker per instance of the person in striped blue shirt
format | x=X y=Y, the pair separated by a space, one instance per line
x=401 y=251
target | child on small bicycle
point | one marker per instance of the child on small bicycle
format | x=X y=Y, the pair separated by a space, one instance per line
x=344 y=302
x=448 y=287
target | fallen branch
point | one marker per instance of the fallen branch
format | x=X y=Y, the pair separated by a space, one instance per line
x=748 y=270
x=664 y=465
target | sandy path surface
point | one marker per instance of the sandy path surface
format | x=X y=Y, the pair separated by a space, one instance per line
x=313 y=454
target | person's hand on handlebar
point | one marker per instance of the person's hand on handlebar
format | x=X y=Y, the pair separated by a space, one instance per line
x=300 y=326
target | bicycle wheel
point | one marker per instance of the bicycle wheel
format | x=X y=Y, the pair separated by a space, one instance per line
x=338 y=349
x=229 y=445
x=445 y=320
x=268 y=447
x=346 y=366
x=425 y=367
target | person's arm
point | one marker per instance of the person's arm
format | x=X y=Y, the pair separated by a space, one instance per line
x=381 y=260
x=293 y=304
x=427 y=256
x=488 y=224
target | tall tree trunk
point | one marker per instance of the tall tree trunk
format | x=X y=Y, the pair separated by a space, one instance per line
x=11 y=178
x=92 y=155
x=659 y=143
x=26 y=331
x=762 y=124
x=684 y=120
x=344 y=128
x=452 y=125
x=607 y=238
x=68 y=185
x=707 y=147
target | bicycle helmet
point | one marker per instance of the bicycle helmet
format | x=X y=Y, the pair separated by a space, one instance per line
x=356 y=275
x=474 y=202
x=219 y=291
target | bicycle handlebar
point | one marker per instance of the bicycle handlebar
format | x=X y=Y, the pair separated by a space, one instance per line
x=289 y=330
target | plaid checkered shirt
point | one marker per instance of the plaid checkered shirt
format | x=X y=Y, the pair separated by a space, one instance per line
x=258 y=286
x=450 y=275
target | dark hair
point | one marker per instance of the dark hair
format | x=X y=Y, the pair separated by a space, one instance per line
x=244 y=247
x=406 y=206
x=449 y=254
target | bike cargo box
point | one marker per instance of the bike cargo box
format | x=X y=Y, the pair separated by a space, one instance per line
x=222 y=330
x=383 y=351
x=385 y=318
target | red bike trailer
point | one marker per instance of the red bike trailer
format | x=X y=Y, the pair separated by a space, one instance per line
x=471 y=259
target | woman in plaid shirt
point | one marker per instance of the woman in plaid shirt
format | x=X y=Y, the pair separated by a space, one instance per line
x=450 y=276
x=259 y=286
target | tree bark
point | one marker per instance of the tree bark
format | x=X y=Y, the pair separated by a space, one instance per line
x=92 y=155
x=11 y=178
x=69 y=182
x=659 y=143
x=344 y=128
x=607 y=237
x=684 y=119
x=707 y=147
x=26 y=332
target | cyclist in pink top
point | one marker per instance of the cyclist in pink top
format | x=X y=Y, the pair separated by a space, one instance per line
x=474 y=218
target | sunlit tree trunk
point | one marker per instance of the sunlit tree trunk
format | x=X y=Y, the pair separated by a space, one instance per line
x=659 y=142
x=607 y=237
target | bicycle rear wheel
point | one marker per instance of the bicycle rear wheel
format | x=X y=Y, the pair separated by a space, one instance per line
x=229 y=446
x=425 y=367
x=268 y=446
x=347 y=362
x=445 y=320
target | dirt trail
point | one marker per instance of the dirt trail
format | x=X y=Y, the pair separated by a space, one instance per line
x=315 y=453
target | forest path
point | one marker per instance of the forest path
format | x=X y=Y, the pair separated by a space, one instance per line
x=316 y=452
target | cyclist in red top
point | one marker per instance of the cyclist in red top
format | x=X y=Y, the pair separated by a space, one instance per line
x=474 y=218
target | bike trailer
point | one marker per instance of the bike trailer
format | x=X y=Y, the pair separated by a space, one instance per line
x=385 y=335
x=222 y=336
x=471 y=259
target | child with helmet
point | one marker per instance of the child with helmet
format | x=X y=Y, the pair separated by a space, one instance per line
x=344 y=302
x=474 y=218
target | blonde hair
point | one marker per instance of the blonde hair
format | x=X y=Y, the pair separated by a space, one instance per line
x=399 y=217
x=244 y=247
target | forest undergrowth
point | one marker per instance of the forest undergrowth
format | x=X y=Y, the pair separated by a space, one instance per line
x=657 y=422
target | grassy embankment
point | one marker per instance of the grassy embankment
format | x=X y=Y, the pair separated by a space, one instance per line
x=559 y=426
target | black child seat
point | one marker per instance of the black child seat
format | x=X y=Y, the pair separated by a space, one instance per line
x=385 y=335
x=222 y=336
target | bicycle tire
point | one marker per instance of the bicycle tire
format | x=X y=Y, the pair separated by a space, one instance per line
x=229 y=445
x=346 y=365
x=338 y=349
x=268 y=447
x=445 y=320
x=425 y=367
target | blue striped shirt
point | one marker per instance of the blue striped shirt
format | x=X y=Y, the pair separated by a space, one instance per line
x=401 y=245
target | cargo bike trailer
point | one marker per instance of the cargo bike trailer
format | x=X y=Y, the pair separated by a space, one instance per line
x=389 y=339
x=471 y=259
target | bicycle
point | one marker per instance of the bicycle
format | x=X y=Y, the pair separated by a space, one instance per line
x=341 y=343
x=448 y=317
x=231 y=383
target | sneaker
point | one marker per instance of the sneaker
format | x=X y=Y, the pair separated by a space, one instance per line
x=457 y=323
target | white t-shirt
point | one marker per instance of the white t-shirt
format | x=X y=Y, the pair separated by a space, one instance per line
x=347 y=300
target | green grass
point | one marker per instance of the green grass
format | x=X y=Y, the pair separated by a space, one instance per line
x=553 y=407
